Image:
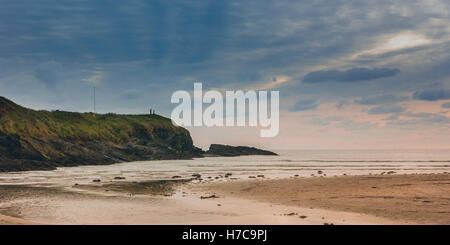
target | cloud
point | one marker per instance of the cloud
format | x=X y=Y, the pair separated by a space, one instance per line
x=422 y=119
x=304 y=105
x=152 y=46
x=432 y=95
x=341 y=104
x=419 y=115
x=96 y=77
x=48 y=73
x=130 y=94
x=398 y=44
x=381 y=99
x=349 y=76
x=386 y=109
x=446 y=105
x=392 y=117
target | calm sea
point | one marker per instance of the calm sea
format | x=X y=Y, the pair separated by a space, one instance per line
x=303 y=163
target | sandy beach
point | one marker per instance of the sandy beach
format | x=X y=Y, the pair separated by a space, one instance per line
x=8 y=220
x=418 y=199
x=369 y=199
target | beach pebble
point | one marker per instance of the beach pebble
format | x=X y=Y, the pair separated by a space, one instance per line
x=96 y=180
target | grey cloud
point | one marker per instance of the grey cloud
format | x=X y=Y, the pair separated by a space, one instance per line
x=432 y=95
x=220 y=44
x=428 y=117
x=419 y=115
x=341 y=104
x=349 y=76
x=324 y=121
x=304 y=105
x=446 y=105
x=423 y=121
x=392 y=117
x=381 y=99
x=386 y=109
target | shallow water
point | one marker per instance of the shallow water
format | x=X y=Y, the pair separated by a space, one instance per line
x=288 y=163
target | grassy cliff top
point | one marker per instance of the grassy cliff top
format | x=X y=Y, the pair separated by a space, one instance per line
x=24 y=122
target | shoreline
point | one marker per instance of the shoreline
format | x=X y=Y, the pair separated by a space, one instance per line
x=364 y=199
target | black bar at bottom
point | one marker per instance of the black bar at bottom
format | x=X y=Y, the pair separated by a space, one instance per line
x=220 y=234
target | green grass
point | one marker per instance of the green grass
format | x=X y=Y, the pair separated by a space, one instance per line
x=15 y=119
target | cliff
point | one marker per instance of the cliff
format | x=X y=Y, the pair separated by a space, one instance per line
x=43 y=140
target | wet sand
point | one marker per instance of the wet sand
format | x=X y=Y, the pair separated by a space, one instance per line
x=8 y=220
x=376 y=199
x=414 y=198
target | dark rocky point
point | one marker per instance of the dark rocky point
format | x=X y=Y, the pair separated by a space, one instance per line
x=232 y=151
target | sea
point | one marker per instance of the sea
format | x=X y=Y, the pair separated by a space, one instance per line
x=289 y=163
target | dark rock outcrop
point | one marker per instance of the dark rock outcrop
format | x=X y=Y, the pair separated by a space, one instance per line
x=232 y=151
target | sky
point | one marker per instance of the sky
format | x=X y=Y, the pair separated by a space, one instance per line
x=351 y=74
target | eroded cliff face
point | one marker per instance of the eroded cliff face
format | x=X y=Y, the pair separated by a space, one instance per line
x=42 y=140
